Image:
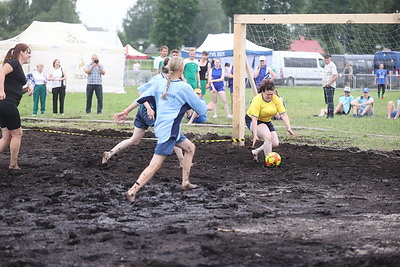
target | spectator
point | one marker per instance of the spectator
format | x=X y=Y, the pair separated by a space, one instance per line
x=263 y=72
x=136 y=71
x=94 y=70
x=136 y=66
x=159 y=61
x=192 y=116
x=363 y=105
x=38 y=79
x=392 y=112
x=58 y=77
x=205 y=70
x=344 y=106
x=348 y=74
x=12 y=81
x=216 y=80
x=230 y=84
x=175 y=53
x=381 y=78
x=191 y=70
x=258 y=118
x=227 y=71
x=329 y=83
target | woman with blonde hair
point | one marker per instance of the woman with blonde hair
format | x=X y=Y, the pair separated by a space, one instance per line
x=172 y=98
x=12 y=81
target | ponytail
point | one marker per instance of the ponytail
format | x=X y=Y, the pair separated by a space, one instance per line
x=164 y=96
x=14 y=52
x=174 y=64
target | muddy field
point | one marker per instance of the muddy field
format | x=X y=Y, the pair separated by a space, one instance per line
x=321 y=207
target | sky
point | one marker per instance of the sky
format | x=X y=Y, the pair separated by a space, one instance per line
x=107 y=14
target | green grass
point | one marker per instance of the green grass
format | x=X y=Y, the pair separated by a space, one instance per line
x=374 y=132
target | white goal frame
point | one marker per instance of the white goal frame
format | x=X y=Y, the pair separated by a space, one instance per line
x=239 y=54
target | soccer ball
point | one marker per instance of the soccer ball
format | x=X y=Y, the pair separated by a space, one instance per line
x=273 y=159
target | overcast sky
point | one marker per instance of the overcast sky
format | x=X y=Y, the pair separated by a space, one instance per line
x=107 y=14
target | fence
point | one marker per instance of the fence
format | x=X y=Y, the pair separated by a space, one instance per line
x=366 y=80
x=132 y=78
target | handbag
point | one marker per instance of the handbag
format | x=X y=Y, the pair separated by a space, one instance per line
x=63 y=86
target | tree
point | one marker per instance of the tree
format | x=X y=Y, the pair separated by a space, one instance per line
x=174 y=25
x=232 y=7
x=17 y=15
x=138 y=21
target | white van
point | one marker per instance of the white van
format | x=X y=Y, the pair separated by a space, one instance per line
x=295 y=68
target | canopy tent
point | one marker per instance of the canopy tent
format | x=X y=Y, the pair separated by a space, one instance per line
x=221 y=46
x=132 y=53
x=73 y=45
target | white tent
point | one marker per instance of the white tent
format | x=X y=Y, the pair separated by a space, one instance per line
x=221 y=46
x=132 y=53
x=73 y=45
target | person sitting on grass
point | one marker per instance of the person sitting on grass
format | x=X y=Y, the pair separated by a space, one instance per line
x=344 y=105
x=363 y=105
x=392 y=112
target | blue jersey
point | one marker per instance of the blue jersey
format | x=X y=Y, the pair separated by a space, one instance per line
x=263 y=74
x=381 y=75
x=180 y=98
x=346 y=100
x=217 y=74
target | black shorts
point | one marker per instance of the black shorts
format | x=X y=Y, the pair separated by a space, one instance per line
x=9 y=116
x=249 y=122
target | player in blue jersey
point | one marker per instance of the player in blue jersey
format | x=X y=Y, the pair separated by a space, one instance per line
x=145 y=118
x=381 y=79
x=172 y=98
x=263 y=72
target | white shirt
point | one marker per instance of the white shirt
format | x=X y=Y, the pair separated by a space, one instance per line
x=329 y=70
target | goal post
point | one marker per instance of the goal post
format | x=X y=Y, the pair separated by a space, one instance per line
x=239 y=55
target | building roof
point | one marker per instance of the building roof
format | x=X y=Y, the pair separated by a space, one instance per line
x=303 y=45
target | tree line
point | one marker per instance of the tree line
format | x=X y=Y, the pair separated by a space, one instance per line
x=187 y=22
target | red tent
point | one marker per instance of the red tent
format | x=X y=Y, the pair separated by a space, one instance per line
x=132 y=53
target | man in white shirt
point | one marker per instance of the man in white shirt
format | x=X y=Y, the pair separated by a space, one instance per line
x=329 y=83
x=159 y=61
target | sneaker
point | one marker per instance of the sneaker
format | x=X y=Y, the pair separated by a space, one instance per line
x=355 y=116
x=316 y=115
x=215 y=116
x=33 y=115
x=62 y=114
x=382 y=97
x=54 y=114
x=229 y=116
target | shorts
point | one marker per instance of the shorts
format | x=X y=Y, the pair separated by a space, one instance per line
x=142 y=121
x=199 y=119
x=394 y=113
x=167 y=148
x=362 y=110
x=249 y=122
x=9 y=115
x=220 y=89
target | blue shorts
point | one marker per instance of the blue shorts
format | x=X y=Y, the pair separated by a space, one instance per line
x=394 y=113
x=167 y=148
x=142 y=121
x=249 y=122
x=199 y=119
x=362 y=110
x=218 y=88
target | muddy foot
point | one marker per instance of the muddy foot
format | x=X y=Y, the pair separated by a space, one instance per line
x=188 y=186
x=130 y=197
x=255 y=155
x=14 y=167
x=106 y=157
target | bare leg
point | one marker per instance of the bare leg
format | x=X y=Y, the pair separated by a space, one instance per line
x=189 y=149
x=390 y=109
x=265 y=134
x=339 y=108
x=215 y=100
x=179 y=155
x=222 y=94
x=145 y=176
x=134 y=140
x=15 y=144
x=5 y=139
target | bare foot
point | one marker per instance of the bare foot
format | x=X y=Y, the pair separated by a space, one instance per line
x=255 y=155
x=106 y=157
x=130 y=197
x=188 y=186
x=14 y=167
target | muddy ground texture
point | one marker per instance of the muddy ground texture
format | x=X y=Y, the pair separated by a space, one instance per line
x=321 y=207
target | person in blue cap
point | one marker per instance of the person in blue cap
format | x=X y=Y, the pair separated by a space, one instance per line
x=363 y=105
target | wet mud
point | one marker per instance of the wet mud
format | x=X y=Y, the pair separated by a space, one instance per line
x=321 y=207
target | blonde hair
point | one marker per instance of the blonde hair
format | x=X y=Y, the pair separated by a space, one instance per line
x=174 y=64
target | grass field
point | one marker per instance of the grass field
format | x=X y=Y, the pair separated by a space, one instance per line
x=374 y=132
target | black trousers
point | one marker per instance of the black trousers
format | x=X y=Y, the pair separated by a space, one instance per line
x=329 y=93
x=58 y=95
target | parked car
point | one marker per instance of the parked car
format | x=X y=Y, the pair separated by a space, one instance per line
x=298 y=68
x=362 y=70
